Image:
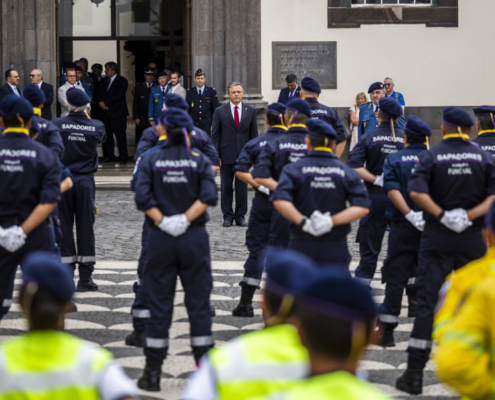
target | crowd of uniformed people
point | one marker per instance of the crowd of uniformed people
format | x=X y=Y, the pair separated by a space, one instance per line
x=436 y=202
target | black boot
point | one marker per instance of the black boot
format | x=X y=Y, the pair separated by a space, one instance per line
x=245 y=306
x=411 y=381
x=86 y=286
x=150 y=381
x=136 y=338
x=412 y=306
x=388 y=337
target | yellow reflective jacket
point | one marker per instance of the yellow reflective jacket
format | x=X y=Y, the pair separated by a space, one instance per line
x=457 y=285
x=466 y=351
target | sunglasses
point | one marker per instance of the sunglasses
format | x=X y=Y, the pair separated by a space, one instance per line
x=388 y=84
x=32 y=76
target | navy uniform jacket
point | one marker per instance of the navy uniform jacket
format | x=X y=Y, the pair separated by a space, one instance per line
x=199 y=140
x=253 y=149
x=486 y=140
x=29 y=175
x=49 y=135
x=155 y=103
x=396 y=174
x=81 y=137
x=330 y=116
x=281 y=151
x=368 y=120
x=201 y=109
x=456 y=174
x=141 y=101
x=283 y=97
x=320 y=181
x=374 y=147
x=172 y=179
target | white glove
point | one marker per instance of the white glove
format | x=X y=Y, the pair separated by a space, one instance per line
x=264 y=190
x=13 y=238
x=322 y=223
x=416 y=219
x=308 y=227
x=175 y=225
x=379 y=181
x=456 y=220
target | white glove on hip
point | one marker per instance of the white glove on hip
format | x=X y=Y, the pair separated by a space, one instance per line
x=456 y=220
x=379 y=181
x=175 y=225
x=264 y=190
x=322 y=223
x=416 y=219
x=308 y=227
x=13 y=238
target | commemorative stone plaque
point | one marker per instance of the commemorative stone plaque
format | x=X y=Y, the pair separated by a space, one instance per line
x=317 y=60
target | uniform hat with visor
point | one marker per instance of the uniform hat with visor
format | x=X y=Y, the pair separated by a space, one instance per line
x=199 y=72
x=375 y=86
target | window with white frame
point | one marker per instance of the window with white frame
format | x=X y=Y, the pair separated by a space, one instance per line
x=392 y=2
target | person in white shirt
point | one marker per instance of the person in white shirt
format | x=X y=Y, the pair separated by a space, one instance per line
x=177 y=88
x=62 y=92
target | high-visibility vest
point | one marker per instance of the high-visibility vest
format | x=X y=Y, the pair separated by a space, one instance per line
x=259 y=363
x=50 y=365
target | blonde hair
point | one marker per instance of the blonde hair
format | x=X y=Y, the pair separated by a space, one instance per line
x=361 y=94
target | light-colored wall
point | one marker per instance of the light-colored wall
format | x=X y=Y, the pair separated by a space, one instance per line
x=430 y=66
x=99 y=52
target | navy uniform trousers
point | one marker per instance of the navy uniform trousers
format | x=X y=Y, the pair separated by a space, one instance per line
x=79 y=202
x=187 y=257
x=279 y=230
x=370 y=235
x=441 y=252
x=399 y=270
x=139 y=310
x=322 y=250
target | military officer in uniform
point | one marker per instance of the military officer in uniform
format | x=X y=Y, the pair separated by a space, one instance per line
x=406 y=225
x=157 y=97
x=368 y=112
x=454 y=184
x=485 y=123
x=312 y=194
x=141 y=101
x=371 y=150
x=203 y=101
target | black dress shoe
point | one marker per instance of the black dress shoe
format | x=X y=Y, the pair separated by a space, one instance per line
x=150 y=381
x=123 y=161
x=227 y=223
x=86 y=286
x=241 y=222
x=411 y=381
x=387 y=338
x=107 y=160
x=243 y=310
x=136 y=338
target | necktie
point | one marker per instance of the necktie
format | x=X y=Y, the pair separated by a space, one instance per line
x=200 y=92
x=236 y=117
x=16 y=92
x=291 y=94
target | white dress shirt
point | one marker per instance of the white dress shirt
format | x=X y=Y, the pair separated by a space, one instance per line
x=14 y=89
x=239 y=110
x=39 y=84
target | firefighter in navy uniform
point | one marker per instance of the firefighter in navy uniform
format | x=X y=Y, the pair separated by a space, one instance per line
x=407 y=223
x=485 y=123
x=454 y=184
x=258 y=232
x=368 y=112
x=372 y=149
x=175 y=187
x=203 y=101
x=285 y=149
x=140 y=103
x=312 y=194
x=310 y=91
x=29 y=190
x=81 y=137
x=48 y=133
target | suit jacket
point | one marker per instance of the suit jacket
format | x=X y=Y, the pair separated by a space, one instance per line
x=179 y=89
x=227 y=139
x=62 y=97
x=284 y=95
x=6 y=90
x=114 y=97
x=46 y=111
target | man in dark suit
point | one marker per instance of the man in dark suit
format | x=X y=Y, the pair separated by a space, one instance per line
x=36 y=77
x=112 y=91
x=203 y=101
x=12 y=78
x=234 y=124
x=291 y=91
x=141 y=101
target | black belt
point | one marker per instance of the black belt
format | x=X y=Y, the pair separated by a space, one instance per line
x=375 y=189
x=324 y=238
x=401 y=224
x=436 y=227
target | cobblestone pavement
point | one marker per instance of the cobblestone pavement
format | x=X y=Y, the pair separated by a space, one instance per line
x=103 y=316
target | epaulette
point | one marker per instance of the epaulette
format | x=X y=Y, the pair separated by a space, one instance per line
x=369 y=105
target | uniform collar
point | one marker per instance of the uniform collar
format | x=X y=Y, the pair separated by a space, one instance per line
x=311 y=100
x=463 y=137
x=297 y=128
x=417 y=146
x=277 y=128
x=486 y=131
x=37 y=111
x=16 y=130
x=322 y=152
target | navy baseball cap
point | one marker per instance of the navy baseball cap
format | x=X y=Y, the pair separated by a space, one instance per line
x=320 y=128
x=48 y=272
x=417 y=126
x=457 y=117
x=299 y=106
x=77 y=97
x=176 y=118
x=390 y=106
x=484 y=110
x=15 y=106
x=376 y=86
x=310 y=85
x=33 y=94
x=278 y=108
x=174 y=100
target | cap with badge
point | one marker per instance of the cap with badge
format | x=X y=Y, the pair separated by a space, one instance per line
x=417 y=126
x=320 y=128
x=391 y=107
x=199 y=72
x=149 y=71
x=174 y=100
x=457 y=117
x=97 y=66
x=33 y=94
x=310 y=85
x=160 y=74
x=15 y=106
x=376 y=86
x=299 y=106
x=176 y=118
x=77 y=97
x=46 y=271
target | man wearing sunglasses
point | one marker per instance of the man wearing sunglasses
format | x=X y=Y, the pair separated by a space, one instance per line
x=36 y=77
x=390 y=92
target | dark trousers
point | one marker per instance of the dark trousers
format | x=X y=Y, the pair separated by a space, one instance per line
x=117 y=127
x=441 y=252
x=279 y=230
x=143 y=124
x=370 y=236
x=227 y=176
x=398 y=269
x=256 y=240
x=79 y=202
x=186 y=256
x=139 y=310
x=40 y=239
x=333 y=252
